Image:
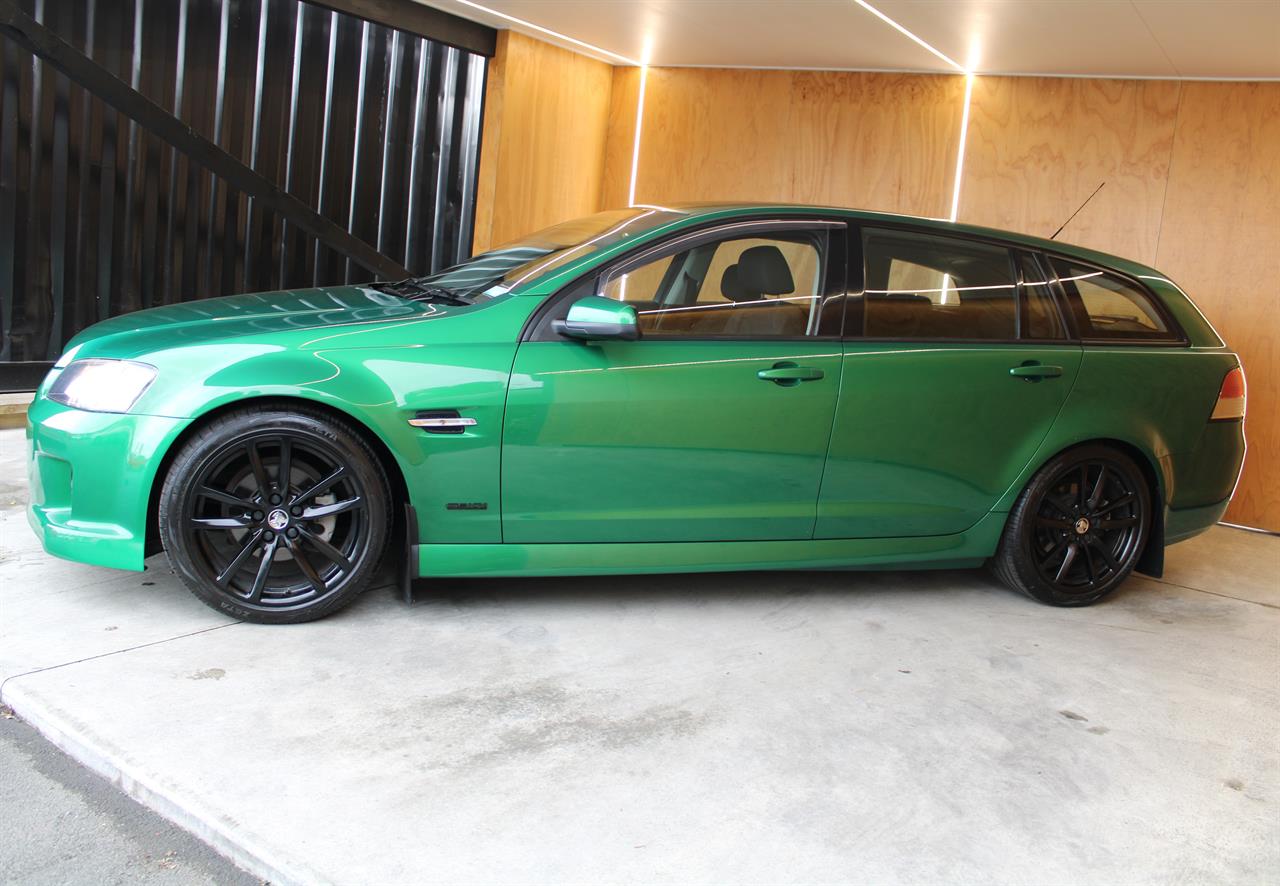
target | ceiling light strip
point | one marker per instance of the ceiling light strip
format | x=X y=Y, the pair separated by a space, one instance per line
x=964 y=137
x=901 y=30
x=635 y=147
x=541 y=30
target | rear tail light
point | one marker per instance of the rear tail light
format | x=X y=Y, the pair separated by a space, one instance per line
x=1231 y=398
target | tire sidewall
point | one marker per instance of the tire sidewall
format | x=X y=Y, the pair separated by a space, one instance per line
x=1017 y=545
x=213 y=443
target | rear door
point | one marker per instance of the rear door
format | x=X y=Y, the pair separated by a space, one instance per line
x=713 y=425
x=957 y=365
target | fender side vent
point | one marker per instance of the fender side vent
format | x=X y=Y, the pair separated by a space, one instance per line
x=442 y=421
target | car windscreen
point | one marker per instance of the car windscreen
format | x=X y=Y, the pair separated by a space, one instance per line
x=500 y=270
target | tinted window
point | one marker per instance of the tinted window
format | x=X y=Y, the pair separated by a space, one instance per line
x=926 y=286
x=765 y=286
x=1108 y=306
x=1039 y=315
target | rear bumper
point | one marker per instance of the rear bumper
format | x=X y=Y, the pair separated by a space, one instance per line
x=1185 y=523
x=1204 y=481
x=1208 y=474
x=90 y=476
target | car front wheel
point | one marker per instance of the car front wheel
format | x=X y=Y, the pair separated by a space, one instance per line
x=275 y=515
x=1078 y=529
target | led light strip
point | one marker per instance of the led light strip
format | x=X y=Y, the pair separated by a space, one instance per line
x=635 y=148
x=528 y=24
x=964 y=137
x=901 y=30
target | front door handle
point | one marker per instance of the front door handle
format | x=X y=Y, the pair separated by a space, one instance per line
x=1032 y=371
x=789 y=374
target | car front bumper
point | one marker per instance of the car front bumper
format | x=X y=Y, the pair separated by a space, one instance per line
x=91 y=475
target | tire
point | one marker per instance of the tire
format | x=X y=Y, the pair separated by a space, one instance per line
x=223 y=507
x=1078 y=529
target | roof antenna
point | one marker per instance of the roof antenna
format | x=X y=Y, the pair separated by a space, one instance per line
x=1077 y=212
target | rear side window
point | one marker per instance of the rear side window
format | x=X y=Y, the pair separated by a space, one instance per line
x=1107 y=306
x=923 y=286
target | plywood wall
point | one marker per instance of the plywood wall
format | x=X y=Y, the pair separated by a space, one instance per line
x=1192 y=172
x=878 y=141
x=1038 y=147
x=542 y=153
x=1220 y=241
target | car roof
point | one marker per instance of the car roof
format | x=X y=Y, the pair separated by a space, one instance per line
x=706 y=211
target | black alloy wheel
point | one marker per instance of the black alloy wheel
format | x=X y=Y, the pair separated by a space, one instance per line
x=1078 y=530
x=275 y=516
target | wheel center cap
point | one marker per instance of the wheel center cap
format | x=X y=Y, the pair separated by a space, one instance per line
x=1082 y=526
x=278 y=519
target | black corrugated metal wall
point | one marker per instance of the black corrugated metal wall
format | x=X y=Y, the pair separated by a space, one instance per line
x=376 y=129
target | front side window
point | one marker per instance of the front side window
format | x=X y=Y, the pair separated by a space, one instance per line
x=757 y=286
x=924 y=286
x=1107 y=306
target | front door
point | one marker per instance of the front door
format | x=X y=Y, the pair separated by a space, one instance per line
x=713 y=426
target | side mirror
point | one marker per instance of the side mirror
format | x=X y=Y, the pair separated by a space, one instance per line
x=594 y=318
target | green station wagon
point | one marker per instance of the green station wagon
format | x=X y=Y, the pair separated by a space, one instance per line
x=697 y=388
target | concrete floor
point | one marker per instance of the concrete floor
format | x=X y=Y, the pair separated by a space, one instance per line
x=801 y=727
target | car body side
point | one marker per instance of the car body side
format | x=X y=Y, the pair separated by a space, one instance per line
x=95 y=475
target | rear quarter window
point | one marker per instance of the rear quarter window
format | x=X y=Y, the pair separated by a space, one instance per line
x=1107 y=307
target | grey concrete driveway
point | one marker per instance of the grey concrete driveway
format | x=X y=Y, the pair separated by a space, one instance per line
x=802 y=727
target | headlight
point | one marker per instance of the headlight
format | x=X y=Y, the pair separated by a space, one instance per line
x=102 y=385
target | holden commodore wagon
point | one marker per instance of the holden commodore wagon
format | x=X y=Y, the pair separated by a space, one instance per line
x=652 y=390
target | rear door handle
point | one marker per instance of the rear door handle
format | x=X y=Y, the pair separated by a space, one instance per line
x=788 y=374
x=1035 y=371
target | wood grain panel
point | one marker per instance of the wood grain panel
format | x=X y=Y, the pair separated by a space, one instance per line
x=542 y=157
x=1039 y=146
x=1220 y=240
x=621 y=138
x=876 y=141
x=495 y=97
x=714 y=134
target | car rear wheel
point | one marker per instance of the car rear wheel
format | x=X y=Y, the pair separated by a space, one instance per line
x=1078 y=528
x=275 y=516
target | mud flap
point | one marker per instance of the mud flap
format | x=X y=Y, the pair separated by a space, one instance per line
x=1152 y=560
x=409 y=559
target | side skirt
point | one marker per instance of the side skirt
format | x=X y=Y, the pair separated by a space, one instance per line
x=962 y=550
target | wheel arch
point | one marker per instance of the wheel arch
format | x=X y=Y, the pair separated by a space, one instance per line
x=390 y=466
x=1151 y=560
x=1146 y=463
